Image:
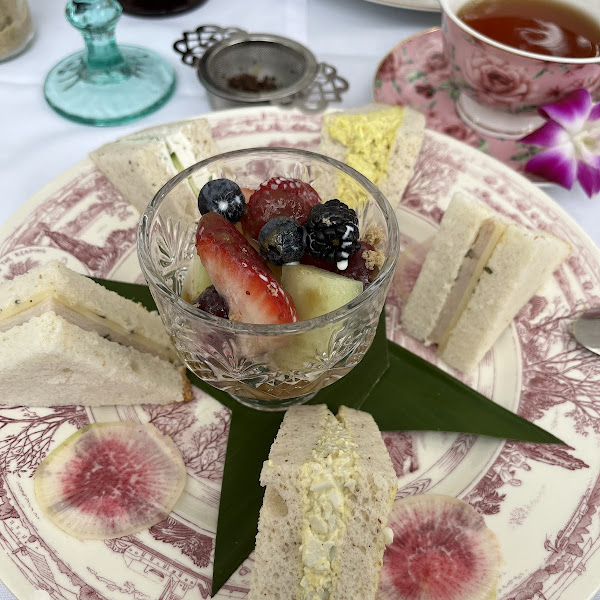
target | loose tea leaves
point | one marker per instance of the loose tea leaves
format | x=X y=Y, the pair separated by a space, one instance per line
x=245 y=82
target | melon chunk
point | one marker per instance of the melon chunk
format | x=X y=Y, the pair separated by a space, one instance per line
x=315 y=291
x=109 y=480
x=196 y=280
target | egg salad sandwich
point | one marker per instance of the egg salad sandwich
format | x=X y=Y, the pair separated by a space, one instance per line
x=329 y=487
x=64 y=339
x=380 y=141
x=138 y=165
x=480 y=271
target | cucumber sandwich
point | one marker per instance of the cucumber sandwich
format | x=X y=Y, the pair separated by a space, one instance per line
x=138 y=165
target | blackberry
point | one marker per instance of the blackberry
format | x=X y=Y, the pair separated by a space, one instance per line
x=332 y=233
x=224 y=197
x=282 y=240
x=212 y=302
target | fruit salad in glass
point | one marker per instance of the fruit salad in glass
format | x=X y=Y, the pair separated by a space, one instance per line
x=270 y=268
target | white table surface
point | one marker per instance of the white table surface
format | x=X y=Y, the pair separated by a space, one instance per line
x=353 y=35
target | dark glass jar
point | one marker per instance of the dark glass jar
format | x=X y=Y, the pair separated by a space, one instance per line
x=156 y=8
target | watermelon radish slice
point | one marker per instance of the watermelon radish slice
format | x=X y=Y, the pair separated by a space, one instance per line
x=442 y=550
x=109 y=480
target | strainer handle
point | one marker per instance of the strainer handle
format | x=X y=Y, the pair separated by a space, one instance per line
x=195 y=43
x=327 y=87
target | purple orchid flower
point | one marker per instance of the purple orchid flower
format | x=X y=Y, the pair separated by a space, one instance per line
x=571 y=135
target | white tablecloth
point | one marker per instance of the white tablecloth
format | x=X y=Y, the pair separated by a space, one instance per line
x=353 y=35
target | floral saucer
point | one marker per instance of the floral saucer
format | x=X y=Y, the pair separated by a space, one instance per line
x=415 y=73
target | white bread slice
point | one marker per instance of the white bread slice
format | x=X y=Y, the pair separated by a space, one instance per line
x=367 y=484
x=403 y=153
x=366 y=536
x=521 y=262
x=131 y=323
x=47 y=361
x=138 y=169
x=190 y=140
x=517 y=267
x=458 y=230
x=140 y=164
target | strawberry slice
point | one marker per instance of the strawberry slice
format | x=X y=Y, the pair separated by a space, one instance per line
x=240 y=274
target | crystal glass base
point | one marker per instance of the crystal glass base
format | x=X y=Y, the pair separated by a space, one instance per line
x=137 y=87
x=270 y=405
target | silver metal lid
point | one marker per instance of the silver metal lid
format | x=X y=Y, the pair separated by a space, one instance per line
x=257 y=68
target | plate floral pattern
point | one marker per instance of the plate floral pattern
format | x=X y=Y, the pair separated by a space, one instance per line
x=542 y=501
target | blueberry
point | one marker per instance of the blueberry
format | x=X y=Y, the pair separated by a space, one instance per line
x=224 y=197
x=282 y=240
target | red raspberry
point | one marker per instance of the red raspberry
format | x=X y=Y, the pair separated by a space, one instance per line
x=278 y=197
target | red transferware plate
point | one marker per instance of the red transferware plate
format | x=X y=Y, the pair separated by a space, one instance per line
x=542 y=501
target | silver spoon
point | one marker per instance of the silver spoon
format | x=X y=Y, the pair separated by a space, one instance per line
x=586 y=329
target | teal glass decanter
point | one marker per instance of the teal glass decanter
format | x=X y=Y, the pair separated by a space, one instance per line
x=106 y=83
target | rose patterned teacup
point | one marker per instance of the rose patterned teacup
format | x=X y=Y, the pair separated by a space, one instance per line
x=501 y=86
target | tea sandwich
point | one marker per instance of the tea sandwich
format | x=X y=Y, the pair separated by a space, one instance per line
x=138 y=165
x=330 y=486
x=381 y=142
x=480 y=271
x=82 y=344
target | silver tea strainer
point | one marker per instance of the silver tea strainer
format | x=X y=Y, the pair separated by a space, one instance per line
x=239 y=68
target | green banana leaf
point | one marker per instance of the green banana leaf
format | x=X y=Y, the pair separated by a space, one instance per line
x=402 y=391
x=414 y=395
